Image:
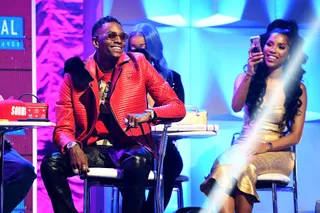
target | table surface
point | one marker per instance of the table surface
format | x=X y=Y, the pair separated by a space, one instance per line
x=186 y=135
x=181 y=131
x=193 y=133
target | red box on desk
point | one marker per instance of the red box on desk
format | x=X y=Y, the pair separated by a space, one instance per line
x=37 y=110
x=13 y=110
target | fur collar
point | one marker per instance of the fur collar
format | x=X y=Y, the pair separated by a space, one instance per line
x=80 y=76
x=82 y=73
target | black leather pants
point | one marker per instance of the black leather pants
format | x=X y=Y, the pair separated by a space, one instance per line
x=172 y=167
x=135 y=161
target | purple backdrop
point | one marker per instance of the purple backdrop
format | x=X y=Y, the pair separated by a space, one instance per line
x=59 y=36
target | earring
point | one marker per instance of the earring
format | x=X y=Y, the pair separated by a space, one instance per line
x=288 y=57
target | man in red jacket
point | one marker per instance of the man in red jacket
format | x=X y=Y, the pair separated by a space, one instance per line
x=103 y=119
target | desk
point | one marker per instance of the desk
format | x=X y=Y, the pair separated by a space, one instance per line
x=175 y=135
x=188 y=135
x=10 y=126
x=177 y=131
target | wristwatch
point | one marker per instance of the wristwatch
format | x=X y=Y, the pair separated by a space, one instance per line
x=152 y=114
x=270 y=145
x=70 y=145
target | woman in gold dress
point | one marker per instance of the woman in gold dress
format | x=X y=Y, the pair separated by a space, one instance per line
x=274 y=102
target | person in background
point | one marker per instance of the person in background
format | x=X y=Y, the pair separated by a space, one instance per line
x=270 y=144
x=18 y=176
x=103 y=119
x=146 y=39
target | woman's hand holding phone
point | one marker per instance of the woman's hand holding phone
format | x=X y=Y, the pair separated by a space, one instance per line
x=255 y=42
x=253 y=61
x=255 y=55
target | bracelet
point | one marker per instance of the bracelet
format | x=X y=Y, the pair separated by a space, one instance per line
x=70 y=145
x=152 y=114
x=270 y=145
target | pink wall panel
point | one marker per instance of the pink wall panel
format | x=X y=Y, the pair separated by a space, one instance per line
x=59 y=37
x=16 y=67
x=17 y=59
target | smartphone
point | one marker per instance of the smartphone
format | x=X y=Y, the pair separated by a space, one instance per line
x=255 y=41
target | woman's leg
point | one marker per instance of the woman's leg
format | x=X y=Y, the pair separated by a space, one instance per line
x=244 y=202
x=228 y=205
x=229 y=202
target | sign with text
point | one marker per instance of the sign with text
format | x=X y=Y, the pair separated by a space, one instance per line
x=15 y=37
x=11 y=33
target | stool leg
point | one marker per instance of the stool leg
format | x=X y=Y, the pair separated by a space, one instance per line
x=295 y=198
x=115 y=200
x=155 y=210
x=86 y=201
x=180 y=196
x=118 y=201
x=274 y=198
x=112 y=199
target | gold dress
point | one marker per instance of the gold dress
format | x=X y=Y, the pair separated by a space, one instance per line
x=237 y=158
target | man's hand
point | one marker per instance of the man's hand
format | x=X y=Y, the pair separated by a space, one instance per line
x=133 y=120
x=78 y=160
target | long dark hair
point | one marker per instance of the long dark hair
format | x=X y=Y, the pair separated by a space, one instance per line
x=258 y=85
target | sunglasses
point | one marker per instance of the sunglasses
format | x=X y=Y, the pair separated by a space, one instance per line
x=113 y=35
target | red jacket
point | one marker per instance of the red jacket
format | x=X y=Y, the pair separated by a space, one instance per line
x=78 y=107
